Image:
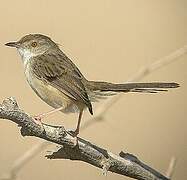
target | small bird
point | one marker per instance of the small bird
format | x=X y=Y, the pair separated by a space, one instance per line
x=58 y=81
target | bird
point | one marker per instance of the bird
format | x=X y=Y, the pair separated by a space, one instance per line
x=60 y=83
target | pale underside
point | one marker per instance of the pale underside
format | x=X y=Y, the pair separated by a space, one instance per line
x=56 y=98
x=51 y=95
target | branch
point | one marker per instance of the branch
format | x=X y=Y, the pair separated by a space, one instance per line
x=159 y=64
x=124 y=164
x=23 y=160
x=101 y=111
x=171 y=167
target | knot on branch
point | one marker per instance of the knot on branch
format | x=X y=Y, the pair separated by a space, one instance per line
x=9 y=104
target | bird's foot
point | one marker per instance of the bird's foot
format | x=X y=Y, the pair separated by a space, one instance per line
x=38 y=120
x=75 y=141
x=74 y=134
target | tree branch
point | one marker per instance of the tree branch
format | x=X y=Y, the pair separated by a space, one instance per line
x=171 y=167
x=99 y=113
x=124 y=163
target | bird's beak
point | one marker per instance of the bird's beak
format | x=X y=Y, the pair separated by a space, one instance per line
x=13 y=44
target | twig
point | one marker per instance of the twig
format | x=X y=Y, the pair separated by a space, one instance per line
x=170 y=170
x=24 y=159
x=159 y=63
x=124 y=164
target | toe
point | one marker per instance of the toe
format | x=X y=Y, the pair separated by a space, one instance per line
x=37 y=118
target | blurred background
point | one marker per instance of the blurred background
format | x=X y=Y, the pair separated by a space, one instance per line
x=108 y=40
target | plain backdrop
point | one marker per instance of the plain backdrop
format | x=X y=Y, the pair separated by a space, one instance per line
x=108 y=40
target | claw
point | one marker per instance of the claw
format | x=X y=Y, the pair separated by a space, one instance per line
x=75 y=141
x=74 y=134
x=38 y=118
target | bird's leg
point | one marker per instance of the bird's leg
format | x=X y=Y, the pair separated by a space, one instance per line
x=76 y=132
x=40 y=116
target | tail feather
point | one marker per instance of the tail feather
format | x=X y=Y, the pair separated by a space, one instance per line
x=148 y=90
x=130 y=87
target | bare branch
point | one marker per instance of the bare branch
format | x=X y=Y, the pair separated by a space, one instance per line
x=159 y=64
x=170 y=170
x=24 y=159
x=124 y=164
x=100 y=112
x=27 y=156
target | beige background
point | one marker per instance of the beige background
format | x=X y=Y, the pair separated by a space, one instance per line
x=108 y=40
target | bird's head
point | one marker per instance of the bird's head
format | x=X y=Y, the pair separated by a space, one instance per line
x=33 y=45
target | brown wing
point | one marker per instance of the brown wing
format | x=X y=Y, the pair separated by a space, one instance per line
x=60 y=72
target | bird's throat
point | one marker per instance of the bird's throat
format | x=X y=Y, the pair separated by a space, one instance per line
x=26 y=55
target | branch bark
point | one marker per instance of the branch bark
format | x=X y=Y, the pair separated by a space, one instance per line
x=124 y=163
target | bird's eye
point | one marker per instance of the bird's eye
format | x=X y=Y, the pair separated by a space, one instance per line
x=34 y=44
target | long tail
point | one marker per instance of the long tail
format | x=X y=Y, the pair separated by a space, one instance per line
x=130 y=87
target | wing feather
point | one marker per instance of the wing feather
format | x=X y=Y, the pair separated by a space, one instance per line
x=61 y=73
